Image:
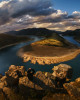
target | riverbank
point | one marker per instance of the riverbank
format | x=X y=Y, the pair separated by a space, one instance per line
x=10 y=40
x=49 y=60
x=77 y=38
x=15 y=43
x=49 y=51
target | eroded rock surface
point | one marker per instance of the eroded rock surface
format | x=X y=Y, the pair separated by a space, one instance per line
x=16 y=80
x=13 y=74
x=62 y=71
x=0 y=76
x=58 y=97
x=39 y=82
x=73 y=88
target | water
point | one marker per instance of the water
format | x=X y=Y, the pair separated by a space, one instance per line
x=8 y=56
x=71 y=39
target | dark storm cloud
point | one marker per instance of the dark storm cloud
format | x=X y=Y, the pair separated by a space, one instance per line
x=33 y=12
x=56 y=17
x=4 y=16
x=17 y=8
x=36 y=9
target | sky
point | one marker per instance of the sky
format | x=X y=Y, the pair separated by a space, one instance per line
x=59 y=15
x=67 y=5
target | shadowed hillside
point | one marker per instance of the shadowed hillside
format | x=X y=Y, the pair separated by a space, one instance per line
x=6 y=39
x=34 y=31
x=75 y=34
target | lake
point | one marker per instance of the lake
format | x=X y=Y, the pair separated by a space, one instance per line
x=8 y=56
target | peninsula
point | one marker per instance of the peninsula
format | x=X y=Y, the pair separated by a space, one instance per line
x=50 y=50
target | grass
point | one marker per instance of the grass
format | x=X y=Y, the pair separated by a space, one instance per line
x=50 y=42
x=54 y=40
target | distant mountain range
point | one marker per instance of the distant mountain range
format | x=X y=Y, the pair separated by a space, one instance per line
x=72 y=33
x=75 y=34
x=34 y=31
x=44 y=32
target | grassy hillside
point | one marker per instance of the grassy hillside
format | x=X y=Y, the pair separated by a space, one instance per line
x=54 y=40
x=6 y=39
x=50 y=42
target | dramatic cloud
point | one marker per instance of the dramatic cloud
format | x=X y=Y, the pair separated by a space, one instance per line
x=19 y=14
x=18 y=8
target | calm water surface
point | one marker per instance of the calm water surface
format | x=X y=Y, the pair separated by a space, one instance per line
x=8 y=56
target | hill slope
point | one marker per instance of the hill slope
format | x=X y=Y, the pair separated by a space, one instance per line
x=6 y=39
x=34 y=31
x=75 y=34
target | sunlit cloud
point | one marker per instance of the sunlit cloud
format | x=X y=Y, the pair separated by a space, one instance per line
x=19 y=14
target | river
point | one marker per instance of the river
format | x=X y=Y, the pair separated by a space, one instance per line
x=8 y=56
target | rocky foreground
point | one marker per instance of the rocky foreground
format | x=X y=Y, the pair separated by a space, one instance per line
x=15 y=85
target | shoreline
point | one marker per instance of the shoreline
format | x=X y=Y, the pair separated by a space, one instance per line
x=48 y=60
x=77 y=40
x=13 y=44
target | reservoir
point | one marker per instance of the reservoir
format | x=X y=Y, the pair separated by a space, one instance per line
x=8 y=56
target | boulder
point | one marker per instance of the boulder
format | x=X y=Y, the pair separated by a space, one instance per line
x=13 y=74
x=78 y=80
x=72 y=90
x=62 y=71
x=1 y=85
x=44 y=79
x=12 y=78
x=19 y=69
x=3 y=79
x=58 y=96
x=1 y=76
x=39 y=82
x=7 y=91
